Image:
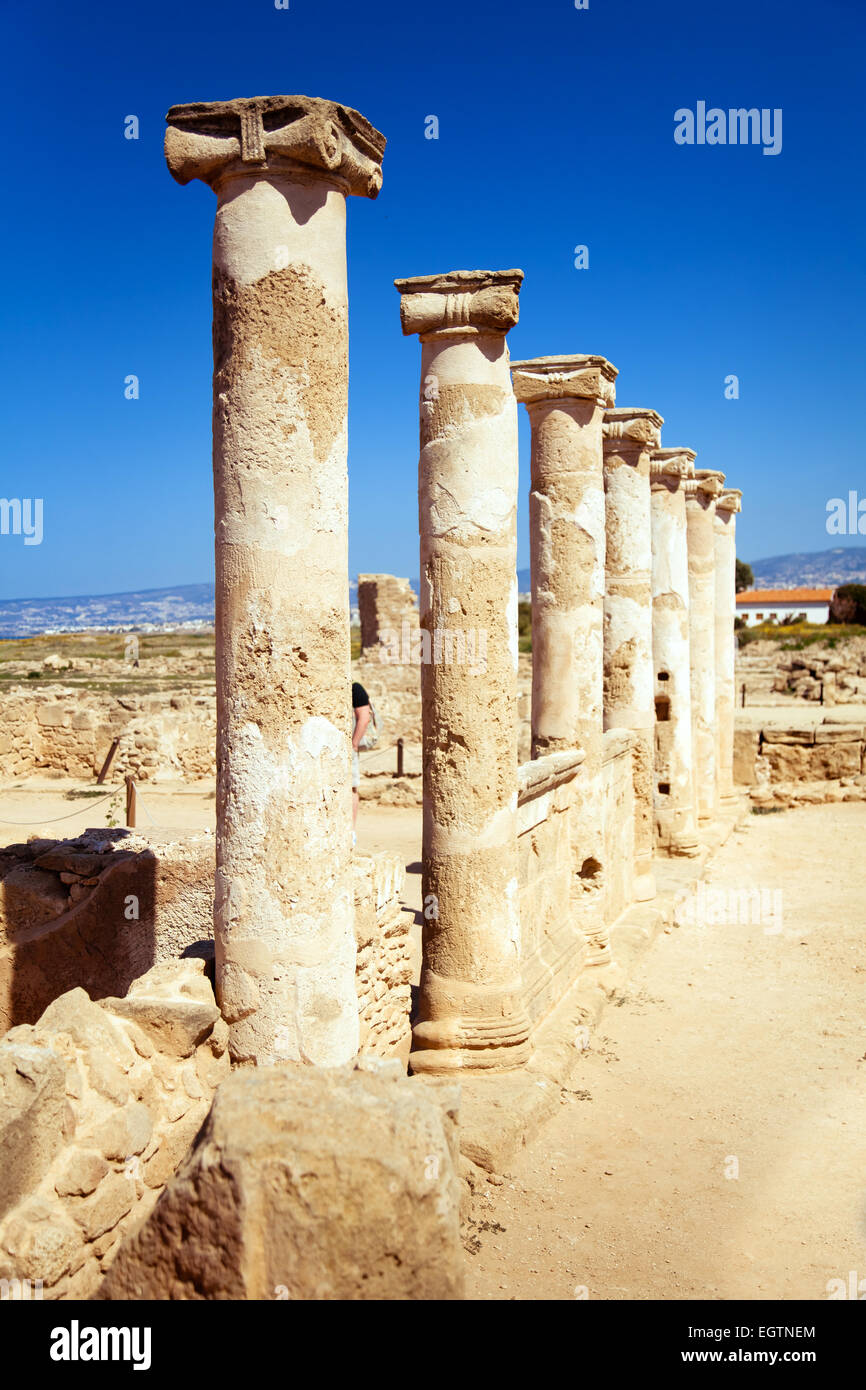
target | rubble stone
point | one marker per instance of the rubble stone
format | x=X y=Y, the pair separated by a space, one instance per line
x=307 y=1183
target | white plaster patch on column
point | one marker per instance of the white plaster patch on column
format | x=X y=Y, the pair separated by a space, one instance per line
x=279 y=223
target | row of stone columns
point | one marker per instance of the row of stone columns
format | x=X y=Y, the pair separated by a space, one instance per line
x=613 y=619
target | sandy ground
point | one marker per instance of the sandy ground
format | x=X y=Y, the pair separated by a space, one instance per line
x=61 y=807
x=798 y=714
x=715 y=1145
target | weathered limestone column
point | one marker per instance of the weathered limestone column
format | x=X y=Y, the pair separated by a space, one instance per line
x=471 y=1012
x=701 y=493
x=566 y=398
x=281 y=168
x=673 y=774
x=728 y=503
x=630 y=436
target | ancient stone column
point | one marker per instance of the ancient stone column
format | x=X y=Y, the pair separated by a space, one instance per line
x=673 y=775
x=281 y=168
x=728 y=503
x=701 y=493
x=471 y=1012
x=630 y=436
x=566 y=398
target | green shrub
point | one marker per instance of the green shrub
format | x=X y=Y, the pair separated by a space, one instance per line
x=848 y=604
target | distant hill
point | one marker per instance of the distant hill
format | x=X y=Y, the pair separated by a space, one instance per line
x=192 y=605
x=186 y=605
x=816 y=569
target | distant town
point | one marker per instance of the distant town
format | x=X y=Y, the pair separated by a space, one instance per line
x=190 y=607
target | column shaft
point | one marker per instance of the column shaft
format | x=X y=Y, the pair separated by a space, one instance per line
x=283 y=916
x=673 y=775
x=630 y=436
x=566 y=398
x=701 y=493
x=470 y=1011
x=725 y=548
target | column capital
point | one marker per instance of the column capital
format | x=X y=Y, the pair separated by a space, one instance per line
x=460 y=303
x=730 y=499
x=633 y=424
x=581 y=376
x=305 y=137
x=672 y=463
x=707 y=484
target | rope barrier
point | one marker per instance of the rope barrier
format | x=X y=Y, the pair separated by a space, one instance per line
x=178 y=829
x=140 y=799
x=54 y=819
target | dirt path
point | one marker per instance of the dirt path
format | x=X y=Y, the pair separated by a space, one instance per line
x=715 y=1145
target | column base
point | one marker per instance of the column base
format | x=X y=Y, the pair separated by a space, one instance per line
x=467 y=1027
x=685 y=846
x=598 y=949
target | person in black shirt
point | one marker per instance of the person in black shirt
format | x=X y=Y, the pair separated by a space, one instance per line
x=361 y=711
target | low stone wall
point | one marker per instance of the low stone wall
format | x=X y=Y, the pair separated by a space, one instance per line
x=97 y=912
x=99 y=1104
x=71 y=731
x=174 y=735
x=787 y=767
x=383 y=967
x=618 y=817
x=826 y=751
x=832 y=676
x=101 y=910
x=551 y=947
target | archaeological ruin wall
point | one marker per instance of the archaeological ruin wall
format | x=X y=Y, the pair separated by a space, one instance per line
x=99 y=1104
x=100 y=911
x=71 y=731
x=389 y=616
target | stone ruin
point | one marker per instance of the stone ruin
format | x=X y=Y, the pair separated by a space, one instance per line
x=99 y=1103
x=812 y=763
x=389 y=616
x=536 y=876
x=71 y=730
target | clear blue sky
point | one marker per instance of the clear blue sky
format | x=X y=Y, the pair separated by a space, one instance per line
x=556 y=129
